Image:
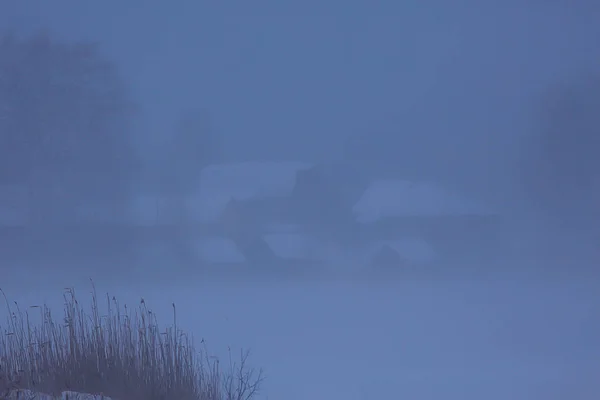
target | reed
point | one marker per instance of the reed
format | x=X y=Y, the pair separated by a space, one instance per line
x=122 y=355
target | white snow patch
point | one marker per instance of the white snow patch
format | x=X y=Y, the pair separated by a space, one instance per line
x=397 y=198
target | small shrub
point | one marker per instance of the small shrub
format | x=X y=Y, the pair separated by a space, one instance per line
x=122 y=355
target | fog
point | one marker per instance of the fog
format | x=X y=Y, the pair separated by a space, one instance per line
x=388 y=199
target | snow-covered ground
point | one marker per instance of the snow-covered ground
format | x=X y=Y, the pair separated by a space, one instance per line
x=431 y=338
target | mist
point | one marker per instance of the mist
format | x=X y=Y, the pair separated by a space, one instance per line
x=389 y=199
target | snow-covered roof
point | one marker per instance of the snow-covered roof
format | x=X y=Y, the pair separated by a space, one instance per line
x=218 y=250
x=399 y=198
x=247 y=180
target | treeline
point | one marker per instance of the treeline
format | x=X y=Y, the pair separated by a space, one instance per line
x=66 y=135
x=66 y=131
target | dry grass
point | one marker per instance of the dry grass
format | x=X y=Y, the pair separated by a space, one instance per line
x=122 y=355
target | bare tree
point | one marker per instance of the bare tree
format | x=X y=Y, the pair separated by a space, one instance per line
x=194 y=144
x=64 y=120
x=563 y=163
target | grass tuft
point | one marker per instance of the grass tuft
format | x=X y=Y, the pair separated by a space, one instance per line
x=122 y=355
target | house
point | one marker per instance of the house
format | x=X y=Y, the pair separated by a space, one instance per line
x=254 y=194
x=398 y=198
x=322 y=197
x=265 y=194
x=452 y=223
x=232 y=189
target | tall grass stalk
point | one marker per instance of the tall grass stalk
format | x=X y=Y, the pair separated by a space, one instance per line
x=122 y=355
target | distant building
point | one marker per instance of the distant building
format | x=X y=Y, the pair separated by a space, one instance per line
x=323 y=196
x=255 y=194
x=453 y=224
x=397 y=199
x=224 y=194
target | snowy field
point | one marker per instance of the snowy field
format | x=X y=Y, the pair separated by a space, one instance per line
x=414 y=339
